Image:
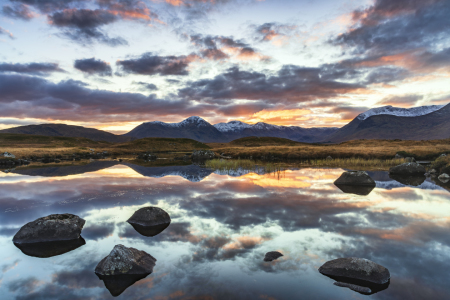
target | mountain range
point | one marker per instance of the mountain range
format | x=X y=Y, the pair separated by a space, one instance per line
x=418 y=123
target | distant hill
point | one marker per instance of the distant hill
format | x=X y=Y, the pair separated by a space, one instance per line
x=68 y=131
x=420 y=123
x=198 y=129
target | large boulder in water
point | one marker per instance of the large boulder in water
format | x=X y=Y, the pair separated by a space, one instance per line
x=408 y=169
x=123 y=267
x=150 y=221
x=58 y=227
x=126 y=261
x=355 y=178
x=356 y=268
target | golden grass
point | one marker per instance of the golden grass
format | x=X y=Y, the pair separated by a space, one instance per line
x=367 y=149
x=242 y=164
x=357 y=163
x=22 y=145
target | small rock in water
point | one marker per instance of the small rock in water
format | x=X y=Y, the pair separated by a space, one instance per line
x=354 y=287
x=329 y=158
x=150 y=221
x=355 y=178
x=58 y=227
x=356 y=268
x=408 y=169
x=273 y=255
x=149 y=216
x=123 y=260
x=444 y=178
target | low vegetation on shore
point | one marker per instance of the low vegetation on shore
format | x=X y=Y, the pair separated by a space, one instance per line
x=242 y=153
x=243 y=164
x=266 y=149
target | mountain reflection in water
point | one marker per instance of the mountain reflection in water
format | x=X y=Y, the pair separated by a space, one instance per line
x=222 y=225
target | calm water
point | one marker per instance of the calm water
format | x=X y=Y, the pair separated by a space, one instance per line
x=221 y=228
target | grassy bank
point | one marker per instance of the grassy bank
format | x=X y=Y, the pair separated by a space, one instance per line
x=264 y=149
x=23 y=145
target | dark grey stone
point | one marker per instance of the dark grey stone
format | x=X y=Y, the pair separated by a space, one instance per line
x=273 y=255
x=149 y=216
x=126 y=261
x=356 y=268
x=408 y=169
x=358 y=178
x=58 y=227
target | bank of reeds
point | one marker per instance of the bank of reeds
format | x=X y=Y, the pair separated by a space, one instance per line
x=356 y=163
x=242 y=164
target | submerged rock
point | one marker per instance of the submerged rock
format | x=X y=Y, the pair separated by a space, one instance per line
x=356 y=268
x=50 y=249
x=126 y=261
x=356 y=178
x=58 y=227
x=408 y=169
x=150 y=231
x=273 y=255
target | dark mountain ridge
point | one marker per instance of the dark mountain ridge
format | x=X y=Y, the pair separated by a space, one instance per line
x=68 y=131
x=434 y=125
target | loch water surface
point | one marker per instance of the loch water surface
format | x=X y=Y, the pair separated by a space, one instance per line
x=222 y=226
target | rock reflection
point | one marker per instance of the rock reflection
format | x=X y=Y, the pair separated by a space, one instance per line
x=150 y=231
x=357 y=190
x=50 y=249
x=409 y=180
x=117 y=284
x=359 y=286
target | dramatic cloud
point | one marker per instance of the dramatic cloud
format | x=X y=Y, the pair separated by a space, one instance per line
x=46 y=6
x=6 y=32
x=93 y=66
x=150 y=64
x=402 y=101
x=291 y=84
x=274 y=32
x=36 y=97
x=397 y=26
x=31 y=68
x=18 y=11
x=220 y=47
x=146 y=86
x=83 y=25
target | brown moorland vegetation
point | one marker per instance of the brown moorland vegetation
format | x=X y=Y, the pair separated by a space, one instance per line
x=276 y=148
x=23 y=145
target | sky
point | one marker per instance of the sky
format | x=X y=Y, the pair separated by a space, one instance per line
x=114 y=64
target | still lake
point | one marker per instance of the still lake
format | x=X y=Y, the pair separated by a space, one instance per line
x=222 y=226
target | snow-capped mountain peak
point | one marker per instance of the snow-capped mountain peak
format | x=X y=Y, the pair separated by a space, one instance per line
x=232 y=126
x=399 y=112
x=191 y=120
x=235 y=126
